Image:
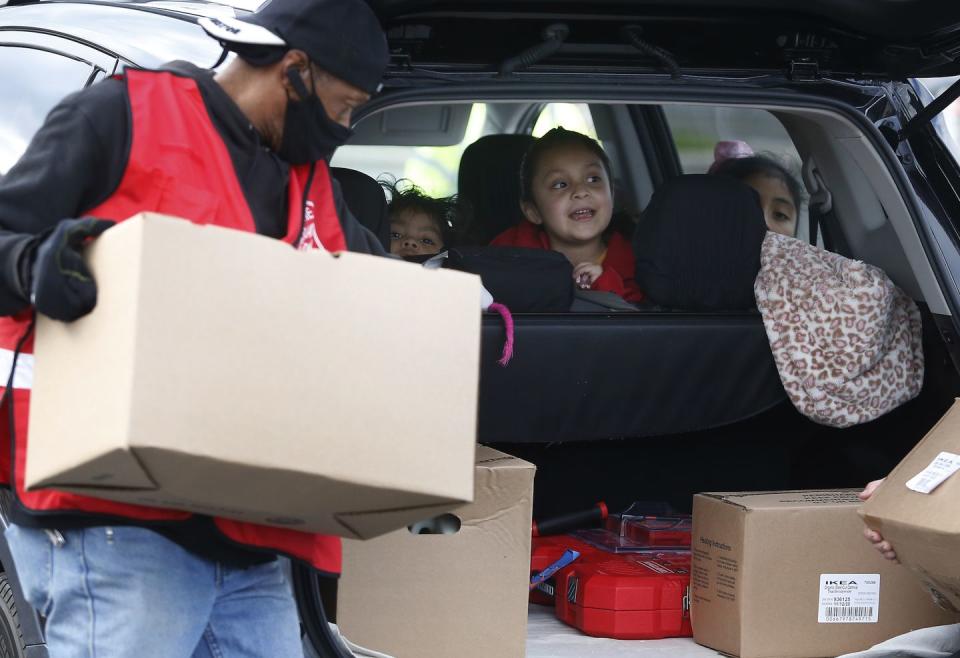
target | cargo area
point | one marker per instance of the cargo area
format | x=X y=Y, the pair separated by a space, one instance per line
x=589 y=412
x=548 y=637
x=775 y=449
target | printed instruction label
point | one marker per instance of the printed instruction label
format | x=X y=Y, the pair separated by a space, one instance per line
x=943 y=466
x=849 y=598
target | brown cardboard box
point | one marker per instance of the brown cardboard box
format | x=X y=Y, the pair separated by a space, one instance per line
x=789 y=575
x=924 y=528
x=227 y=373
x=442 y=595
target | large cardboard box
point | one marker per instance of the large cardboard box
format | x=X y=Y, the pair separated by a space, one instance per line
x=460 y=594
x=789 y=575
x=227 y=373
x=917 y=509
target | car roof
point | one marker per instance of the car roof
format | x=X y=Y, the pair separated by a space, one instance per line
x=891 y=38
x=883 y=18
x=873 y=38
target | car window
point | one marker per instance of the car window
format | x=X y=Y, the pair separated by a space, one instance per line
x=572 y=116
x=949 y=120
x=696 y=129
x=33 y=81
x=432 y=168
x=144 y=38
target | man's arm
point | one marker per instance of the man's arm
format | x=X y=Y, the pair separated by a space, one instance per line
x=73 y=162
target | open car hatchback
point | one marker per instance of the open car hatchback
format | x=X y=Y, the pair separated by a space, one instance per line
x=611 y=401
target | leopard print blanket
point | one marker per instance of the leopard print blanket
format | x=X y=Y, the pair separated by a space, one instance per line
x=847 y=342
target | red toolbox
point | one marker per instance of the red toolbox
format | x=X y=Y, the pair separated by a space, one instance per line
x=631 y=596
x=546 y=551
x=638 y=595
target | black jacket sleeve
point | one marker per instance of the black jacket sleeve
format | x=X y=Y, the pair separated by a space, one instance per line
x=73 y=163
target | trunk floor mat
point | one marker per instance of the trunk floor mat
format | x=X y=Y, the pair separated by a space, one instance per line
x=548 y=637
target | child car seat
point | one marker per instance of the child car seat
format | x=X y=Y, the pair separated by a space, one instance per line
x=488 y=183
x=697 y=245
x=366 y=200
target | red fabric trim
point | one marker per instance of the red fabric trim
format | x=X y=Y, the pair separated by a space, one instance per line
x=321 y=226
x=525 y=234
x=322 y=551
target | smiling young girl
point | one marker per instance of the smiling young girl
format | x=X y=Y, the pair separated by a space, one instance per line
x=567 y=200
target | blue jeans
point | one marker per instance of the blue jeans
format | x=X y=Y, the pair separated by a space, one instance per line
x=112 y=592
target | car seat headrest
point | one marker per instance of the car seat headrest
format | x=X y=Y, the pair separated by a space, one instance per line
x=366 y=200
x=697 y=244
x=488 y=183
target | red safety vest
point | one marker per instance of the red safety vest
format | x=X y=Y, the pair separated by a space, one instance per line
x=178 y=165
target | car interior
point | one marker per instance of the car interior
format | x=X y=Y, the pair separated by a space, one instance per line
x=659 y=402
x=614 y=402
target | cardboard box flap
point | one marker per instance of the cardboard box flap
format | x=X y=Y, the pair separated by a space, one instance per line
x=895 y=503
x=501 y=481
x=117 y=469
x=933 y=539
x=920 y=520
x=759 y=500
x=356 y=515
x=488 y=458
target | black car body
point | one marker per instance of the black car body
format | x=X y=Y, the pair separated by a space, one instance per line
x=629 y=405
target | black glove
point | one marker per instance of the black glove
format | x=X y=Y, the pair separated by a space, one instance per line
x=61 y=287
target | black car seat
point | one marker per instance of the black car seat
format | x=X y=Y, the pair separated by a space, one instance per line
x=488 y=183
x=366 y=200
x=697 y=245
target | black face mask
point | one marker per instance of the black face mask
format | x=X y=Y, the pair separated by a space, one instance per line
x=309 y=134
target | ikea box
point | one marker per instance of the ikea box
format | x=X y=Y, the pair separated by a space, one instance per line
x=788 y=574
x=455 y=585
x=916 y=509
x=227 y=373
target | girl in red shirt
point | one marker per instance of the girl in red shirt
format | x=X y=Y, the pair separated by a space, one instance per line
x=567 y=200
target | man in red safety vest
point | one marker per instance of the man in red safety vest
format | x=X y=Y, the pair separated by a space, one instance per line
x=245 y=148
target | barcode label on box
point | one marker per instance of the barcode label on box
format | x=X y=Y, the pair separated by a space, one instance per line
x=849 y=598
x=860 y=613
x=943 y=466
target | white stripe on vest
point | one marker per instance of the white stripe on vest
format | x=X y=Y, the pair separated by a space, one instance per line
x=23 y=377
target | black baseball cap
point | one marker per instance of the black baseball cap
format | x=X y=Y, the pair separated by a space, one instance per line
x=342 y=37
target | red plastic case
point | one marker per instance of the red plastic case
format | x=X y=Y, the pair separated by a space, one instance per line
x=620 y=595
x=627 y=596
x=546 y=551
